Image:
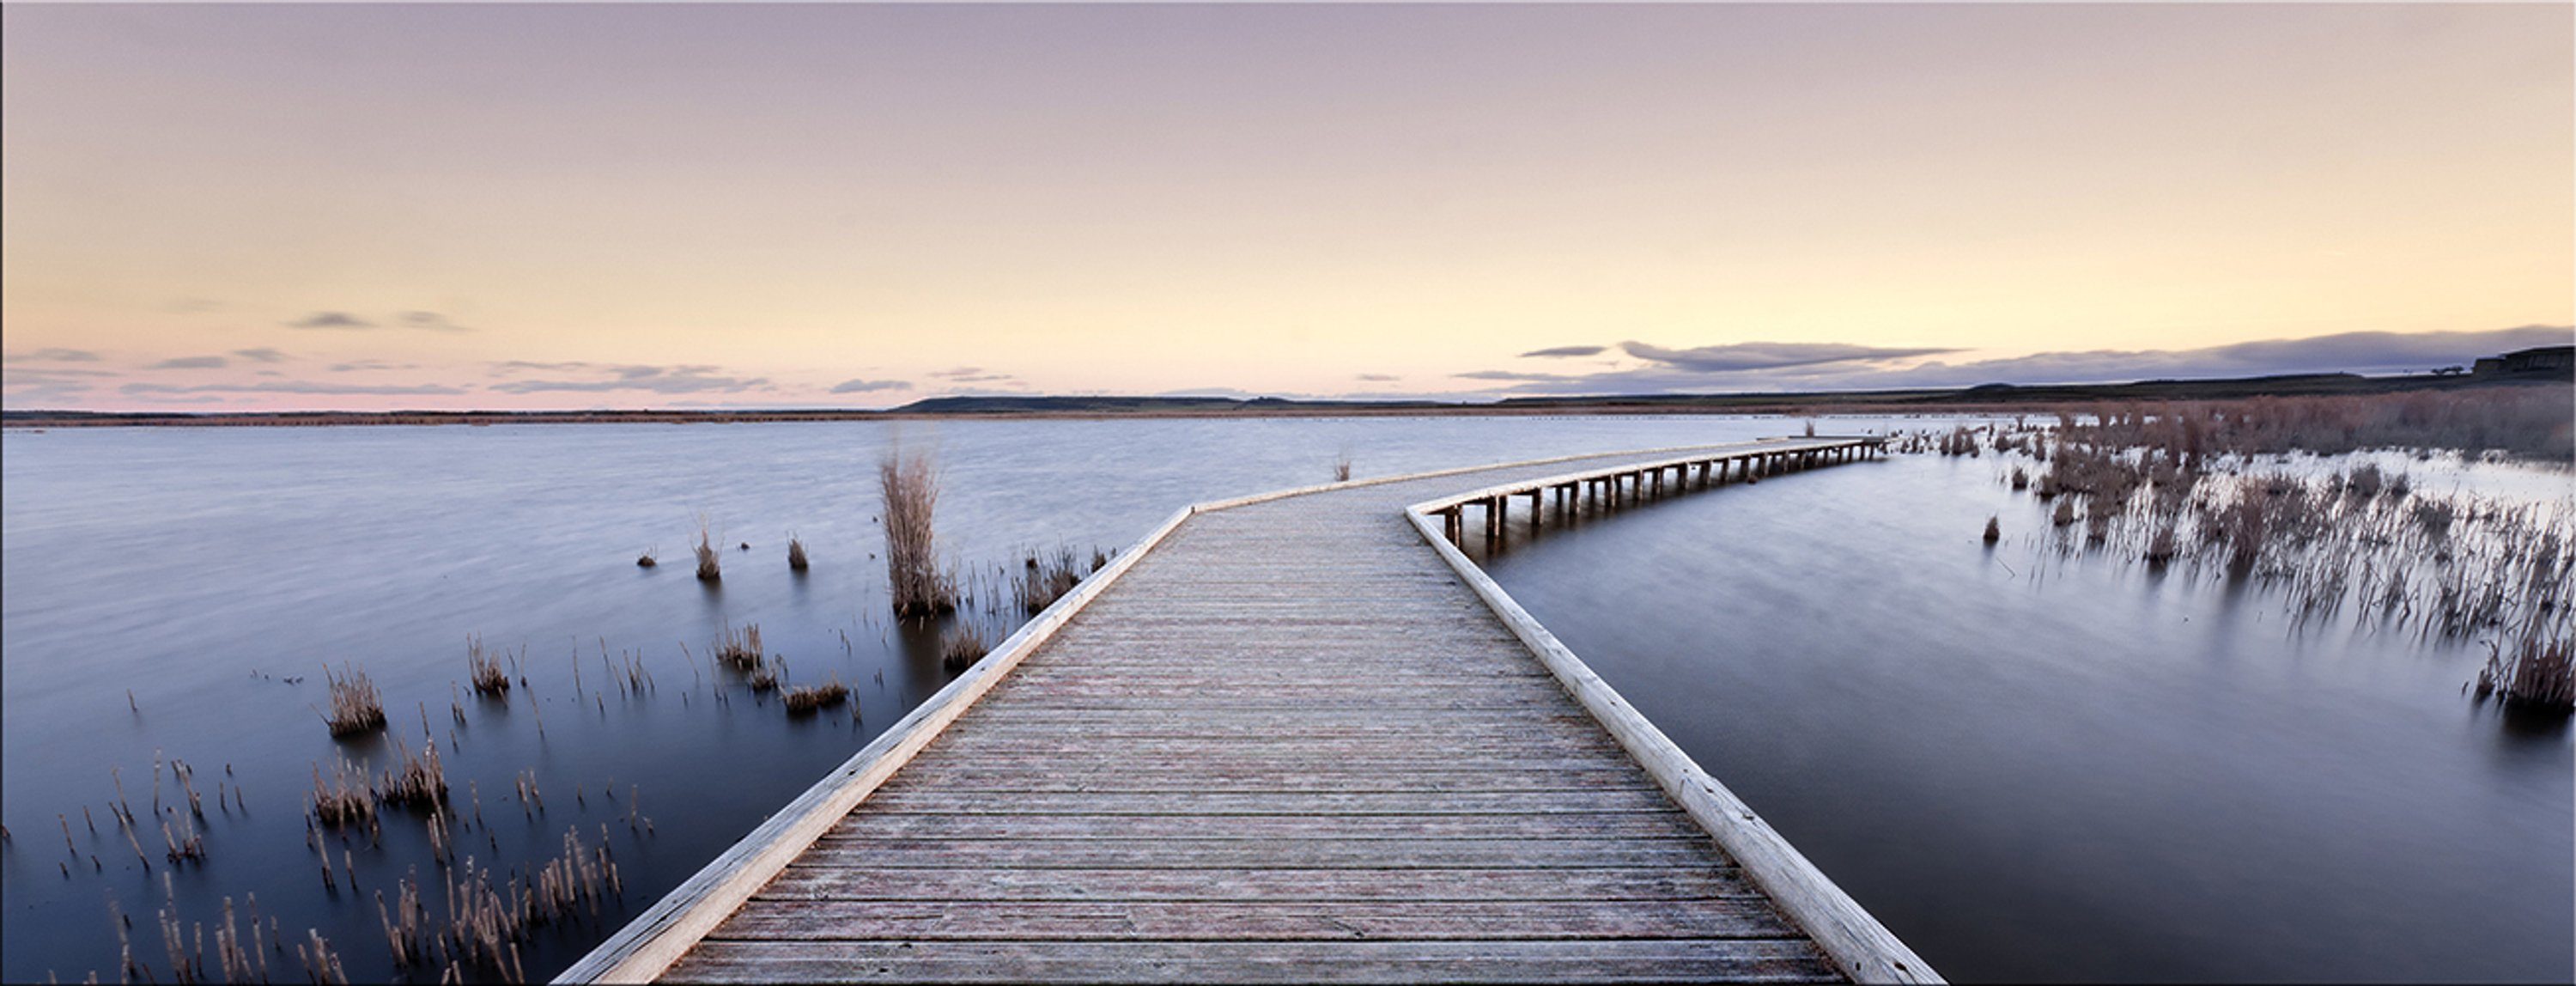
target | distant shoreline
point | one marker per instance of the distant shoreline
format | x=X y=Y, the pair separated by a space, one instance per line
x=1989 y=397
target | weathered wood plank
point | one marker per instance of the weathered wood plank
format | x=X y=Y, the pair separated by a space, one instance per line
x=809 y=880
x=1207 y=774
x=1301 y=854
x=968 y=801
x=1649 y=825
x=1742 y=917
x=1649 y=960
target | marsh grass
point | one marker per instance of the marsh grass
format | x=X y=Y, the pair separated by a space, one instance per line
x=237 y=959
x=910 y=488
x=485 y=669
x=2537 y=672
x=417 y=782
x=488 y=916
x=710 y=563
x=2361 y=544
x=807 y=701
x=346 y=800
x=356 y=708
x=2530 y=422
x=1045 y=578
x=962 y=646
x=741 y=650
x=795 y=553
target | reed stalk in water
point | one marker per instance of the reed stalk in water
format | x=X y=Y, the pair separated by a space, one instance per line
x=911 y=491
x=355 y=706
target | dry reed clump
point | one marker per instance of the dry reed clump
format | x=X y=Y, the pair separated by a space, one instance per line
x=237 y=959
x=762 y=679
x=741 y=650
x=355 y=706
x=487 y=918
x=2161 y=547
x=345 y=801
x=911 y=491
x=710 y=568
x=2537 y=672
x=1044 y=579
x=1994 y=529
x=419 y=782
x=1960 y=441
x=489 y=677
x=2362 y=541
x=2532 y=422
x=795 y=553
x=807 y=701
x=961 y=647
x=646 y=559
x=1342 y=468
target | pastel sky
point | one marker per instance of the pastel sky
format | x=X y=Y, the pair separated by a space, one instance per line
x=378 y=206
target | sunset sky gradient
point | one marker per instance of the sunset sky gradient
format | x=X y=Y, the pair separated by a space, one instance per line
x=377 y=206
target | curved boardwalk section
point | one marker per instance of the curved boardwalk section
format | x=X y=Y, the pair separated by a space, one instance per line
x=1284 y=741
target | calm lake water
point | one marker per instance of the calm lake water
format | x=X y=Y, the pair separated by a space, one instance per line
x=2092 y=775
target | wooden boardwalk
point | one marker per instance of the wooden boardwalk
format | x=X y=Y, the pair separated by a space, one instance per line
x=1289 y=739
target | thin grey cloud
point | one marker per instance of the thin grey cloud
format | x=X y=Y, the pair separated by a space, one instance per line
x=507 y=367
x=330 y=320
x=289 y=387
x=974 y=374
x=690 y=379
x=50 y=354
x=869 y=386
x=2345 y=352
x=23 y=390
x=190 y=363
x=369 y=365
x=1378 y=378
x=428 y=321
x=262 y=354
x=1741 y=356
x=2349 y=352
x=424 y=321
x=1558 y=352
x=1515 y=376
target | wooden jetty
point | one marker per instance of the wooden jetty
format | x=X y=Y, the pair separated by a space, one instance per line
x=1297 y=737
